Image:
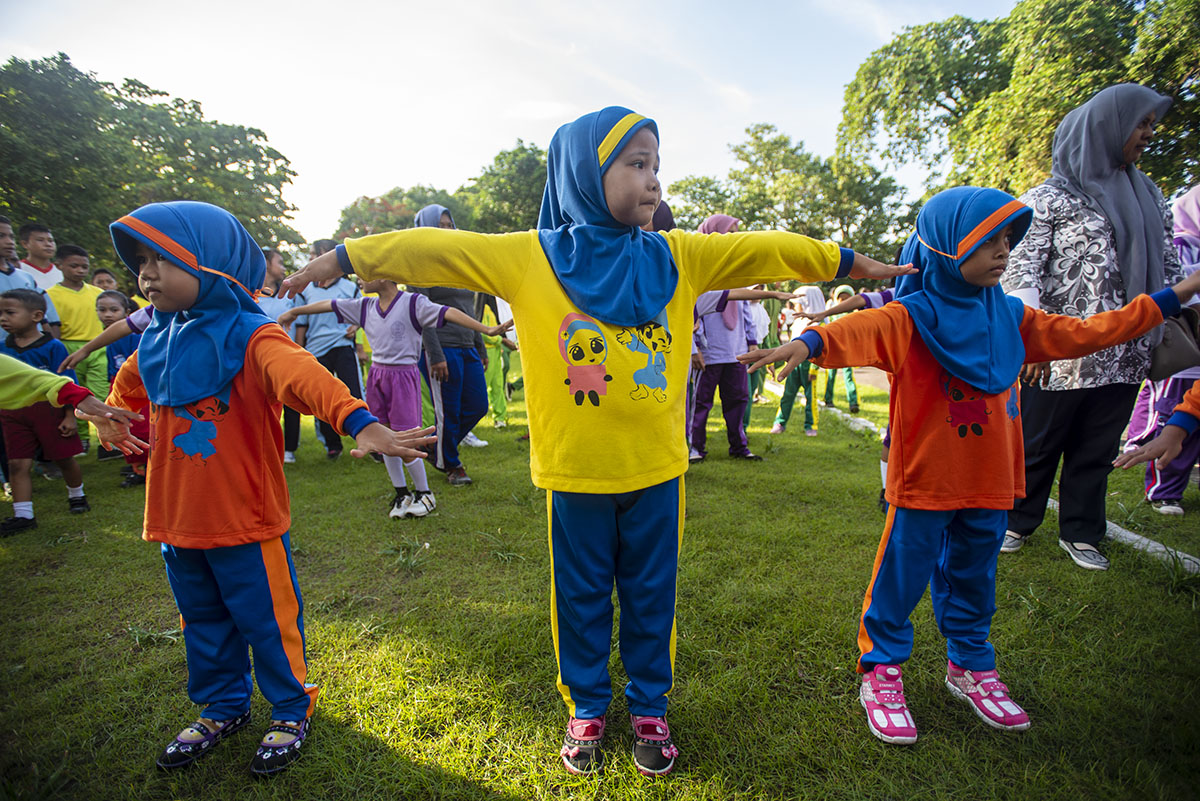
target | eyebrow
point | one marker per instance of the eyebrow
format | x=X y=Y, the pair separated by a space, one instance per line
x=638 y=153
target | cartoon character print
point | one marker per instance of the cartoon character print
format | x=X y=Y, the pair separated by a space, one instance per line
x=1012 y=408
x=653 y=339
x=584 y=349
x=199 y=439
x=968 y=409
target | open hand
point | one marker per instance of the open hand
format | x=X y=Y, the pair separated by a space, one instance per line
x=1162 y=449
x=322 y=268
x=866 y=267
x=378 y=438
x=71 y=361
x=794 y=353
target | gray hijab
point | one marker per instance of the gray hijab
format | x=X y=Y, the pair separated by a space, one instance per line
x=1087 y=161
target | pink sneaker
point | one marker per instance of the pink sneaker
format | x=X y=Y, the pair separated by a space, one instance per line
x=988 y=696
x=882 y=695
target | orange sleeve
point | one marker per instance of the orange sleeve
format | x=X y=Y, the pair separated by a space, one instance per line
x=870 y=338
x=293 y=376
x=1191 y=401
x=127 y=391
x=1056 y=336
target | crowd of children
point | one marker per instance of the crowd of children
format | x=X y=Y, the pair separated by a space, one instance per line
x=201 y=377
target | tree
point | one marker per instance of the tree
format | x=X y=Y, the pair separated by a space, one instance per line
x=779 y=185
x=396 y=210
x=507 y=196
x=79 y=153
x=979 y=101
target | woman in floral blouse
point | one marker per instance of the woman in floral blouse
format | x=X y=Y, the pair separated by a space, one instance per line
x=1101 y=235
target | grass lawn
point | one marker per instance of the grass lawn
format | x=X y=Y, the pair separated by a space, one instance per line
x=430 y=639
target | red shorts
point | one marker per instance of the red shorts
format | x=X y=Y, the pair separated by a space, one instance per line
x=36 y=426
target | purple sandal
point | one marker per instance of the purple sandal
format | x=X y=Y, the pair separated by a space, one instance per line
x=197 y=740
x=271 y=757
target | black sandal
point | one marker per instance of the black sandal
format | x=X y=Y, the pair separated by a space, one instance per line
x=180 y=753
x=271 y=758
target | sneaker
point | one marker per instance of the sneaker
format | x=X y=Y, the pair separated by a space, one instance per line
x=1085 y=555
x=1012 y=542
x=653 y=751
x=748 y=456
x=457 y=476
x=882 y=695
x=333 y=453
x=810 y=432
x=279 y=747
x=695 y=456
x=988 y=696
x=289 y=457
x=581 y=752
x=1167 y=507
x=12 y=525
x=422 y=504
x=105 y=454
x=500 y=424
x=78 y=506
x=778 y=428
x=134 y=480
x=854 y=408
x=400 y=505
x=473 y=441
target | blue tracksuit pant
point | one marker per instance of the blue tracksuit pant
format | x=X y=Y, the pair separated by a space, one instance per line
x=459 y=402
x=232 y=600
x=954 y=553
x=632 y=539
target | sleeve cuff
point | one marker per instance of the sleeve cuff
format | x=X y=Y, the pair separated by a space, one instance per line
x=71 y=394
x=357 y=420
x=344 y=260
x=846 y=262
x=441 y=320
x=723 y=302
x=1168 y=302
x=816 y=345
x=1187 y=422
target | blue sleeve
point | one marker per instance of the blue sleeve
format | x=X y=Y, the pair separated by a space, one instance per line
x=344 y=260
x=1168 y=302
x=1187 y=422
x=357 y=420
x=815 y=344
x=846 y=262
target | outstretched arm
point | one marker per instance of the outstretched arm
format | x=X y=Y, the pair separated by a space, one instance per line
x=106 y=337
x=848 y=305
x=378 y=438
x=758 y=294
x=1166 y=446
x=467 y=321
x=320 y=307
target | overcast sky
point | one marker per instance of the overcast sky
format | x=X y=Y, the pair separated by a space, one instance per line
x=365 y=96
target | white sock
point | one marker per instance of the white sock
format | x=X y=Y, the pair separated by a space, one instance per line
x=75 y=492
x=23 y=509
x=883 y=472
x=395 y=471
x=416 y=469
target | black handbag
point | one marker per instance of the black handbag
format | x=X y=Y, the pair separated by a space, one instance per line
x=1180 y=346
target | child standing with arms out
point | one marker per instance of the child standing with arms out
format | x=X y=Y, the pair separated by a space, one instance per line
x=394 y=322
x=604 y=312
x=75 y=300
x=42 y=426
x=215 y=371
x=954 y=344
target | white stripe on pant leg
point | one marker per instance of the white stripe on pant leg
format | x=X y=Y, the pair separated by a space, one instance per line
x=439 y=415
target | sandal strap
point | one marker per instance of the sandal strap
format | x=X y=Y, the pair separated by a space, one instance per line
x=298 y=732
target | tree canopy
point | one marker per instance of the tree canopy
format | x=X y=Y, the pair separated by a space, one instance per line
x=978 y=101
x=79 y=153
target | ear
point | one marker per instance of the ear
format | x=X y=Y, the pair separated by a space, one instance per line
x=38 y=315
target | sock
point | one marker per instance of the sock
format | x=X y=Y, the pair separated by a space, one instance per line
x=75 y=492
x=416 y=469
x=23 y=509
x=395 y=471
x=883 y=472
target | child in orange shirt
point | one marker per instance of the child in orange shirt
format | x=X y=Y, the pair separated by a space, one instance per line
x=216 y=371
x=954 y=343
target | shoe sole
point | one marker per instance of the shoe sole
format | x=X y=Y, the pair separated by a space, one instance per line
x=957 y=693
x=885 y=737
x=1076 y=560
x=652 y=773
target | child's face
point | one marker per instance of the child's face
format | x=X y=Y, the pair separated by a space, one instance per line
x=8 y=243
x=16 y=318
x=377 y=286
x=631 y=186
x=168 y=287
x=75 y=268
x=109 y=310
x=985 y=266
x=40 y=245
x=105 y=281
x=275 y=269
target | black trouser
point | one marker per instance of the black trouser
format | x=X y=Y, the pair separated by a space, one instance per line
x=342 y=361
x=291 y=429
x=1082 y=427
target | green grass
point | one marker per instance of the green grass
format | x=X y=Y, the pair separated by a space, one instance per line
x=438 y=678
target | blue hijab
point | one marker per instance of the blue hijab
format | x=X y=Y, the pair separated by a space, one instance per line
x=614 y=272
x=194 y=354
x=972 y=331
x=431 y=216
